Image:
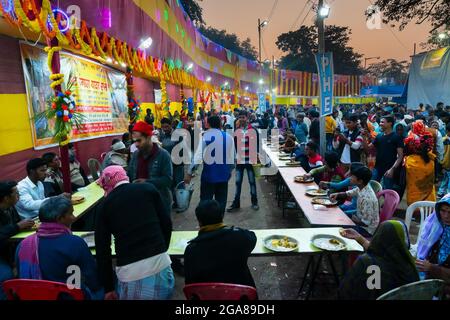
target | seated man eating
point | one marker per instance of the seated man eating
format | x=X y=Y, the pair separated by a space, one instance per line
x=219 y=253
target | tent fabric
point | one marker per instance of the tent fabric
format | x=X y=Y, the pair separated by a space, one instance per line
x=429 y=78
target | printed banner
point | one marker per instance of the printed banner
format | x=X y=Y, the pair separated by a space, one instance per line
x=325 y=67
x=99 y=92
x=262 y=102
x=434 y=59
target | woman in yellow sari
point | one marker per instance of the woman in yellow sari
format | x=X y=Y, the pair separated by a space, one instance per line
x=419 y=164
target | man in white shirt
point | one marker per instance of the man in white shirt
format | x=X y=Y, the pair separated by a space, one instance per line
x=31 y=189
x=348 y=144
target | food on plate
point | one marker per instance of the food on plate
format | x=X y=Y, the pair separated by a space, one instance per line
x=317 y=192
x=326 y=242
x=334 y=241
x=324 y=201
x=284 y=242
x=77 y=199
x=303 y=179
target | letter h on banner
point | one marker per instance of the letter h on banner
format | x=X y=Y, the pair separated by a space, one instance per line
x=326 y=74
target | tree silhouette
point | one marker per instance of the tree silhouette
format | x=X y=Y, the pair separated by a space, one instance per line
x=403 y=12
x=301 y=45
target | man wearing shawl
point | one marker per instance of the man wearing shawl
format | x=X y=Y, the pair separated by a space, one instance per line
x=136 y=216
x=389 y=250
x=433 y=245
x=47 y=254
x=419 y=164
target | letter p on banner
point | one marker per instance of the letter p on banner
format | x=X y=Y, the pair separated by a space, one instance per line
x=325 y=69
x=74 y=280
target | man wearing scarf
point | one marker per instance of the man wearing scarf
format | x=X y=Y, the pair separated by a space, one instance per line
x=151 y=163
x=219 y=253
x=48 y=253
x=136 y=216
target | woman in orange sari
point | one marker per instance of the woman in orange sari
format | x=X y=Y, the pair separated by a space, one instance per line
x=419 y=164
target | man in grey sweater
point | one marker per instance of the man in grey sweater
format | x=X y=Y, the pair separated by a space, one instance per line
x=150 y=164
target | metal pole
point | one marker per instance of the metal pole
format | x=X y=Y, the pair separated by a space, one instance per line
x=272 y=78
x=259 y=36
x=321 y=30
x=259 y=61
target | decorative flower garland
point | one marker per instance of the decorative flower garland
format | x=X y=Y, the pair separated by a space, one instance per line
x=134 y=108
x=120 y=51
x=57 y=78
x=164 y=98
x=62 y=108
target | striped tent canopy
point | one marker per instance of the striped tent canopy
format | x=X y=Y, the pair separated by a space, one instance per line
x=306 y=84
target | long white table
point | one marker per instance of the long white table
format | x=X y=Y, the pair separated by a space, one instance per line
x=331 y=216
x=180 y=239
x=274 y=155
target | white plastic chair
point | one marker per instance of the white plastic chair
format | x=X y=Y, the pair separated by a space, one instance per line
x=426 y=209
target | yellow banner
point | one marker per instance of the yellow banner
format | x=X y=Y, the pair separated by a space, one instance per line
x=434 y=59
x=99 y=92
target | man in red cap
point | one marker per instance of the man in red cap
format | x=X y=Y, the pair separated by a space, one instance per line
x=150 y=164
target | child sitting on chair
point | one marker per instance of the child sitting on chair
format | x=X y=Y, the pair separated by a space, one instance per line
x=367 y=211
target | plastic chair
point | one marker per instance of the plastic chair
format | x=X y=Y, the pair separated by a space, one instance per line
x=426 y=208
x=95 y=167
x=102 y=156
x=376 y=186
x=25 y=289
x=420 y=290
x=391 y=201
x=219 y=291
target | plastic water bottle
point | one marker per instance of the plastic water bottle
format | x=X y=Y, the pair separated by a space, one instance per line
x=422 y=275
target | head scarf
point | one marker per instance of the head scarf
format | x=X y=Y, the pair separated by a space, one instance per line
x=418 y=137
x=390 y=247
x=419 y=129
x=144 y=128
x=433 y=230
x=112 y=177
x=388 y=250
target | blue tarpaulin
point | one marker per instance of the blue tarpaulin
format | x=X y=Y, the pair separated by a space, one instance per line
x=383 y=91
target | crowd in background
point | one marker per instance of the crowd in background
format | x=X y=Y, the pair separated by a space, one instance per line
x=404 y=150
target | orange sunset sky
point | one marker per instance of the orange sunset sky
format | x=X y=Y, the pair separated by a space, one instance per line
x=240 y=17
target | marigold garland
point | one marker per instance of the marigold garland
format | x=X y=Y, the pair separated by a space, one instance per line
x=120 y=51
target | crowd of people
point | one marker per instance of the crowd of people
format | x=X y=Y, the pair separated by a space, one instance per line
x=406 y=151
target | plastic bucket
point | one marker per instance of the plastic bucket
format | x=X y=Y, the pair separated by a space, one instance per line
x=183 y=196
x=257 y=170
